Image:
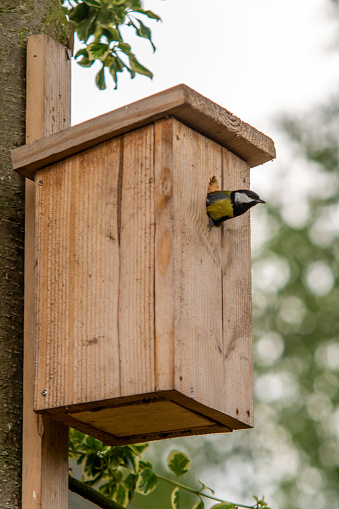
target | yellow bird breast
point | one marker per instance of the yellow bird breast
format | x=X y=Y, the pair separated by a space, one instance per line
x=220 y=208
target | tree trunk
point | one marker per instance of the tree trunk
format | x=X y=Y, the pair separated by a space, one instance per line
x=18 y=20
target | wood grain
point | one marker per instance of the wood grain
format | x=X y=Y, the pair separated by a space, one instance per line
x=45 y=442
x=183 y=103
x=136 y=299
x=136 y=273
x=198 y=289
x=77 y=276
x=237 y=299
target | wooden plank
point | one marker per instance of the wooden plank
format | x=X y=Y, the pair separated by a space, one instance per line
x=198 y=290
x=144 y=419
x=78 y=264
x=45 y=443
x=237 y=295
x=136 y=275
x=165 y=302
x=183 y=103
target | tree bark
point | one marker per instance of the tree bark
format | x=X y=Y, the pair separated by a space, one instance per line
x=18 y=20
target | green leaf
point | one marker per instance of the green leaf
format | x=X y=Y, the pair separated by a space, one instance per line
x=199 y=505
x=137 y=67
x=78 y=13
x=178 y=462
x=100 y=79
x=85 y=62
x=98 y=50
x=175 y=498
x=152 y=15
x=147 y=482
x=126 y=48
x=224 y=505
x=86 y=28
x=93 y=3
x=120 y=494
x=144 y=31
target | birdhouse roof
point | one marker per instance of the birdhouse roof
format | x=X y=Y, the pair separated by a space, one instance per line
x=181 y=102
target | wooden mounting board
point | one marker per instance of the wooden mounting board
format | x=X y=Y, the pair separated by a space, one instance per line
x=181 y=102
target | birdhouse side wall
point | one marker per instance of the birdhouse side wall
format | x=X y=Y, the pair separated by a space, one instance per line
x=208 y=274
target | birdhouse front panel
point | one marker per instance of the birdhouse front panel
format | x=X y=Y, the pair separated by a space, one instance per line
x=143 y=315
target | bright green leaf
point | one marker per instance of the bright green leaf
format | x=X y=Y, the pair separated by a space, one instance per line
x=147 y=482
x=178 y=462
x=100 y=79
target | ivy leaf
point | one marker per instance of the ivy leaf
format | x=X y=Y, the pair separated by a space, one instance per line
x=178 y=462
x=100 y=79
x=199 y=505
x=175 y=498
x=120 y=494
x=147 y=482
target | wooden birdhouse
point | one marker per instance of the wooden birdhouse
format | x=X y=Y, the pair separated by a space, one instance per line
x=143 y=316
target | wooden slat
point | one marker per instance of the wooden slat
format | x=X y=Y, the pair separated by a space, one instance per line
x=45 y=442
x=136 y=276
x=198 y=341
x=77 y=267
x=165 y=303
x=237 y=299
x=183 y=103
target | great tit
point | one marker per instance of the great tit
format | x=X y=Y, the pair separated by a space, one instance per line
x=223 y=205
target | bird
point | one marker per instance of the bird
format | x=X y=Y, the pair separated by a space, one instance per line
x=224 y=205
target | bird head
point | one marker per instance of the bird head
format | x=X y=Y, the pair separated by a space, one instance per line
x=244 y=199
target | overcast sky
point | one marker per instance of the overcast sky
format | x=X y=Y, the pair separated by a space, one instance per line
x=254 y=57
x=257 y=58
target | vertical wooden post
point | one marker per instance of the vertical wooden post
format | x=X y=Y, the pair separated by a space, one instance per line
x=45 y=442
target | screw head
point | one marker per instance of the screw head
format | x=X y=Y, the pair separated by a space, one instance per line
x=44 y=393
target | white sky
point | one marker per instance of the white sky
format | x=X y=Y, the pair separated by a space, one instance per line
x=254 y=57
x=257 y=58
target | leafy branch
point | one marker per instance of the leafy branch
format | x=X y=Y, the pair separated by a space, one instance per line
x=98 y=25
x=120 y=472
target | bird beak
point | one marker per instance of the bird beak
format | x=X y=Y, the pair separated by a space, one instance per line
x=260 y=201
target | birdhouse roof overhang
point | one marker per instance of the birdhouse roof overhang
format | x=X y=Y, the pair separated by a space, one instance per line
x=181 y=102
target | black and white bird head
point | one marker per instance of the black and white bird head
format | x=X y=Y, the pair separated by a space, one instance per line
x=244 y=199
